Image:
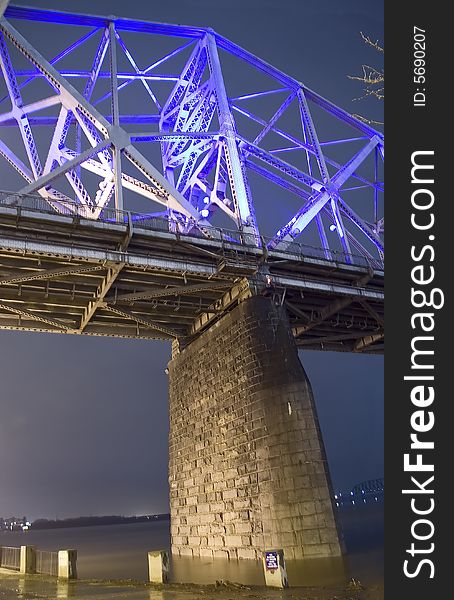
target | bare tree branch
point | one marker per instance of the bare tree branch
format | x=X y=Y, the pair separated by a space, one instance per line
x=365 y=120
x=372 y=78
x=374 y=45
x=370 y=75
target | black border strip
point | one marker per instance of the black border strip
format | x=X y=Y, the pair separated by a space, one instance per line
x=417 y=124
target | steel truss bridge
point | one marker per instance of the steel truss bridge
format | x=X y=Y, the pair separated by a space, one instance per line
x=156 y=175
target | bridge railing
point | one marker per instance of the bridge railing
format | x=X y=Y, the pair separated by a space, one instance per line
x=161 y=222
x=28 y=559
x=10 y=558
x=47 y=562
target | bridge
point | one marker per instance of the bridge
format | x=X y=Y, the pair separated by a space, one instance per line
x=159 y=181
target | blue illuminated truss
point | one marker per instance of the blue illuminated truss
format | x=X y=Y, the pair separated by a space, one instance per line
x=214 y=138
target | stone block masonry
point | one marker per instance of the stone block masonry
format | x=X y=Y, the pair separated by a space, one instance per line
x=247 y=467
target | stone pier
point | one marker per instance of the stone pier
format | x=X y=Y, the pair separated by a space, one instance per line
x=247 y=467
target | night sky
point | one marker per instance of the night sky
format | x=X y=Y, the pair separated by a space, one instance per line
x=83 y=421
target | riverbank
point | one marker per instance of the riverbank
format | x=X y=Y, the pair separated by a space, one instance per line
x=29 y=587
x=120 y=552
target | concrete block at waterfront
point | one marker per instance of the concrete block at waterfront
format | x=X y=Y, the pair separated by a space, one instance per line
x=158 y=566
x=28 y=559
x=67 y=564
x=247 y=466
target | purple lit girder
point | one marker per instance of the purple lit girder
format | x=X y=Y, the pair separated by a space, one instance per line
x=206 y=156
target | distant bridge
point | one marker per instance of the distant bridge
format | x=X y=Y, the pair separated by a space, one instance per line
x=371 y=486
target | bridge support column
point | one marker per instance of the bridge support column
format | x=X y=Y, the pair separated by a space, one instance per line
x=247 y=467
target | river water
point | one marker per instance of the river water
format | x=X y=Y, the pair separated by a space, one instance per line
x=120 y=552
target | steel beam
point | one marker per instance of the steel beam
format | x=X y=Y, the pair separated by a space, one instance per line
x=373 y=313
x=169 y=291
x=320 y=340
x=89 y=20
x=98 y=300
x=238 y=182
x=368 y=340
x=325 y=313
x=313 y=207
x=22 y=312
x=3 y=5
x=45 y=180
x=324 y=286
x=297 y=311
x=50 y=274
x=171 y=333
x=68 y=252
x=333 y=307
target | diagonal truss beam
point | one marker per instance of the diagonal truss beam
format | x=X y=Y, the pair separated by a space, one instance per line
x=332 y=308
x=277 y=115
x=34 y=316
x=167 y=331
x=325 y=313
x=175 y=200
x=359 y=222
x=147 y=70
x=304 y=216
x=50 y=274
x=277 y=163
x=15 y=162
x=45 y=180
x=115 y=135
x=98 y=300
x=58 y=57
x=143 y=78
x=308 y=126
x=297 y=311
x=373 y=313
x=18 y=112
x=97 y=63
x=306 y=146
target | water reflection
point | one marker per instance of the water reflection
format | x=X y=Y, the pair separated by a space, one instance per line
x=28 y=586
x=301 y=573
x=120 y=552
x=23 y=588
x=31 y=586
x=185 y=569
x=309 y=572
x=317 y=571
x=64 y=589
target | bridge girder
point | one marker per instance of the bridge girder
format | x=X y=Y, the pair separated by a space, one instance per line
x=70 y=275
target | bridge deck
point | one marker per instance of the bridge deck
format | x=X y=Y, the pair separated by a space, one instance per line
x=64 y=274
